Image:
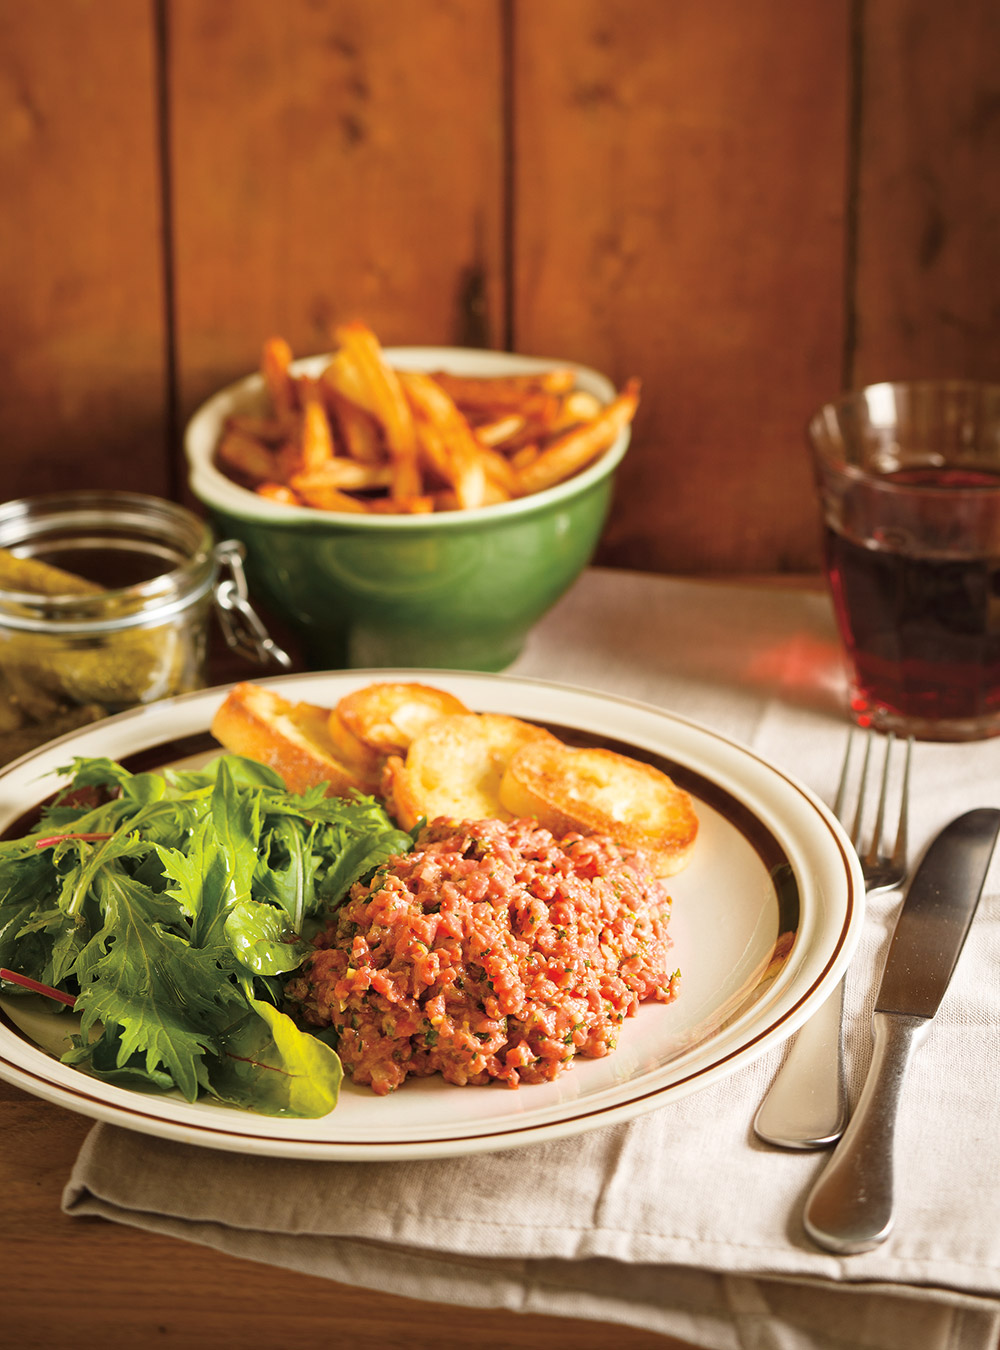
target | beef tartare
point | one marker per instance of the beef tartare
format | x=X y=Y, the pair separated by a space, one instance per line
x=491 y=951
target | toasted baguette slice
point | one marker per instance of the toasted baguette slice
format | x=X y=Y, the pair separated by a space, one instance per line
x=455 y=767
x=595 y=791
x=291 y=738
x=352 y=751
x=386 y=717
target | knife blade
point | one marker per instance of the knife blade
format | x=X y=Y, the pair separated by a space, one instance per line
x=850 y=1208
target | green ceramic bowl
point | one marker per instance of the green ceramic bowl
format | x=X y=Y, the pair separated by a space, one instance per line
x=455 y=590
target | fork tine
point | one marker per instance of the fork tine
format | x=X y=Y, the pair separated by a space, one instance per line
x=900 y=847
x=875 y=846
x=881 y=868
x=859 y=813
x=838 y=805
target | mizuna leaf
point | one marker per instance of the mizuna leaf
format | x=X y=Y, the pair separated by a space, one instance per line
x=202 y=879
x=164 y=996
x=236 y=817
x=286 y=871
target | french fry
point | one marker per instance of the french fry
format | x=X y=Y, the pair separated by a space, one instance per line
x=343 y=473
x=578 y=406
x=317 y=491
x=535 y=406
x=269 y=430
x=276 y=361
x=309 y=447
x=498 y=429
x=278 y=492
x=572 y=450
x=316 y=436
x=553 y=417
x=522 y=457
x=505 y=391
x=499 y=473
x=466 y=477
x=436 y=459
x=533 y=432
x=358 y=429
x=343 y=378
x=363 y=436
x=446 y=439
x=388 y=405
x=249 y=458
x=447 y=498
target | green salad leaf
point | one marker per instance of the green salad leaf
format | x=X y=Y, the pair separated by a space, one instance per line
x=274 y=1068
x=171 y=907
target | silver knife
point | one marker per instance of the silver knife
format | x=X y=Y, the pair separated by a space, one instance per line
x=850 y=1207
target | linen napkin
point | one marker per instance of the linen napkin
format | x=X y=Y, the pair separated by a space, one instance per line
x=680 y=1221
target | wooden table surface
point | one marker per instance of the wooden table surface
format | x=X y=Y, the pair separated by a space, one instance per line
x=64 y=1278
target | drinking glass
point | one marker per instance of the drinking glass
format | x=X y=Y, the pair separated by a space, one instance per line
x=908 y=476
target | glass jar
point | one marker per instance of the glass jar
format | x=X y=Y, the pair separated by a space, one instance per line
x=104 y=605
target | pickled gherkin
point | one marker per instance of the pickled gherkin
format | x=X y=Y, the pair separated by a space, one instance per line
x=72 y=651
x=35 y=577
x=117 y=670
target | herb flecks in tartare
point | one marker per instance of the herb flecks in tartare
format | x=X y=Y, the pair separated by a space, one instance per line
x=491 y=951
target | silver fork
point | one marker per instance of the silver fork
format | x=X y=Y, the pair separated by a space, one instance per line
x=806 y=1105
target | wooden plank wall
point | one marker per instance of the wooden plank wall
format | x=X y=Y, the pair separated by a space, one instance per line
x=748 y=203
x=83 y=394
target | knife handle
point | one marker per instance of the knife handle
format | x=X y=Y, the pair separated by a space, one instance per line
x=849 y=1209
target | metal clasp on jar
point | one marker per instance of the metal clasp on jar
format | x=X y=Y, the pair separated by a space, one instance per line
x=241 y=625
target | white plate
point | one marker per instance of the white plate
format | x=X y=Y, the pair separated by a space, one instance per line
x=765 y=919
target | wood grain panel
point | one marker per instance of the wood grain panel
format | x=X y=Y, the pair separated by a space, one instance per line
x=332 y=161
x=681 y=207
x=81 y=333
x=927 y=294
x=679 y=215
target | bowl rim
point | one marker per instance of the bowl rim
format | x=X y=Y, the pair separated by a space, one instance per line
x=218 y=492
